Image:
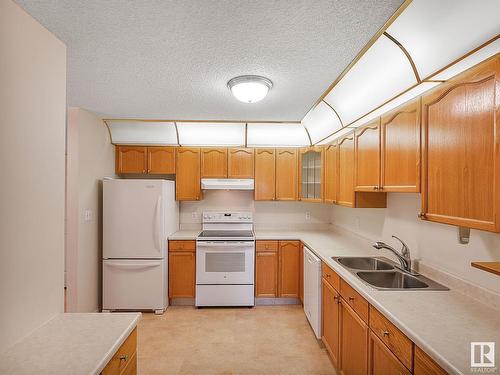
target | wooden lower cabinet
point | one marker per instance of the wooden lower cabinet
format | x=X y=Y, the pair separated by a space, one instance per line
x=289 y=264
x=424 y=365
x=124 y=362
x=382 y=361
x=331 y=321
x=354 y=342
x=181 y=269
x=266 y=274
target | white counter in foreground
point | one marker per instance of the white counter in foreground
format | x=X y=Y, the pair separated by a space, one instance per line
x=70 y=344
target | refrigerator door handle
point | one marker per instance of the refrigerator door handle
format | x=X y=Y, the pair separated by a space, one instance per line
x=135 y=265
x=157 y=224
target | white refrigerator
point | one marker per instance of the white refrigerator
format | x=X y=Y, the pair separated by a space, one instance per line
x=138 y=217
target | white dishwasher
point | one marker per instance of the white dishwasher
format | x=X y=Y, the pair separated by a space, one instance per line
x=312 y=290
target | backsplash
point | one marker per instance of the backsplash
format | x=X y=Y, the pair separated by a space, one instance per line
x=432 y=244
x=267 y=215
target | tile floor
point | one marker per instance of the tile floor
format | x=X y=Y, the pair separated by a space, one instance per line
x=263 y=340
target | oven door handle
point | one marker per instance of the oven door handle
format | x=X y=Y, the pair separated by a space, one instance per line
x=200 y=245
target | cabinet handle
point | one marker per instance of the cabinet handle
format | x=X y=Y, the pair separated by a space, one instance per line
x=124 y=358
x=385 y=333
x=327 y=276
x=351 y=298
x=375 y=188
x=143 y=171
x=421 y=215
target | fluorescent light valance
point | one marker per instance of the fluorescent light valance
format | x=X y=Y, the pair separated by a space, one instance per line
x=142 y=132
x=211 y=134
x=280 y=135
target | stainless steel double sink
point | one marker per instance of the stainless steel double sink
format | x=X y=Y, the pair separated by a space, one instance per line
x=383 y=274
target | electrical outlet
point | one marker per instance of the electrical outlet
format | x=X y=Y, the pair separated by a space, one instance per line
x=308 y=216
x=194 y=215
x=87 y=215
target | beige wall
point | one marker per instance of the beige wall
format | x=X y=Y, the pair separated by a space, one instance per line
x=32 y=144
x=267 y=215
x=90 y=158
x=433 y=244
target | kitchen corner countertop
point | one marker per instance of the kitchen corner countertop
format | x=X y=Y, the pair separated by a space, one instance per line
x=70 y=343
x=442 y=323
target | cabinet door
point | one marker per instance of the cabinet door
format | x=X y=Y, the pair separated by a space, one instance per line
x=265 y=174
x=461 y=169
x=354 y=342
x=161 y=160
x=367 y=157
x=214 y=162
x=311 y=160
x=131 y=159
x=266 y=274
x=181 y=274
x=286 y=174
x=288 y=283
x=382 y=361
x=240 y=163
x=424 y=365
x=187 y=179
x=331 y=173
x=401 y=149
x=345 y=192
x=331 y=321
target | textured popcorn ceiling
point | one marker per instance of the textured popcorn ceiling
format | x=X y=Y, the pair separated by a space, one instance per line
x=162 y=59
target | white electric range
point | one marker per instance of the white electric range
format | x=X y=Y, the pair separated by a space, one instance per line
x=225 y=259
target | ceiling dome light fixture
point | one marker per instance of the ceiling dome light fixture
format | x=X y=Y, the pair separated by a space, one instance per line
x=249 y=89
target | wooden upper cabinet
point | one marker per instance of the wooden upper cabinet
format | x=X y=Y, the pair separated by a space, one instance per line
x=461 y=163
x=214 y=162
x=130 y=159
x=161 y=160
x=400 y=149
x=265 y=174
x=311 y=160
x=330 y=180
x=345 y=192
x=353 y=342
x=289 y=264
x=188 y=174
x=240 y=163
x=286 y=174
x=367 y=157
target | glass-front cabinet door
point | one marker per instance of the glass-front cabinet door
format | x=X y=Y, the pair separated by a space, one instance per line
x=311 y=174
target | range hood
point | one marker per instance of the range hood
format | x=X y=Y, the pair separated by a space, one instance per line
x=227 y=184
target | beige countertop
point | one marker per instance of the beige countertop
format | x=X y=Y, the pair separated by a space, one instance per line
x=70 y=344
x=442 y=323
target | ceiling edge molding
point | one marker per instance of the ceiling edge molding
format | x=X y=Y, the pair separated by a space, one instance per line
x=198 y=121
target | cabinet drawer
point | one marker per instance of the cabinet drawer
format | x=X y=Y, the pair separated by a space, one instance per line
x=391 y=336
x=266 y=246
x=354 y=299
x=330 y=276
x=124 y=356
x=182 y=245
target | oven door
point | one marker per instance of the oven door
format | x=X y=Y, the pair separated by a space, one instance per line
x=225 y=262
